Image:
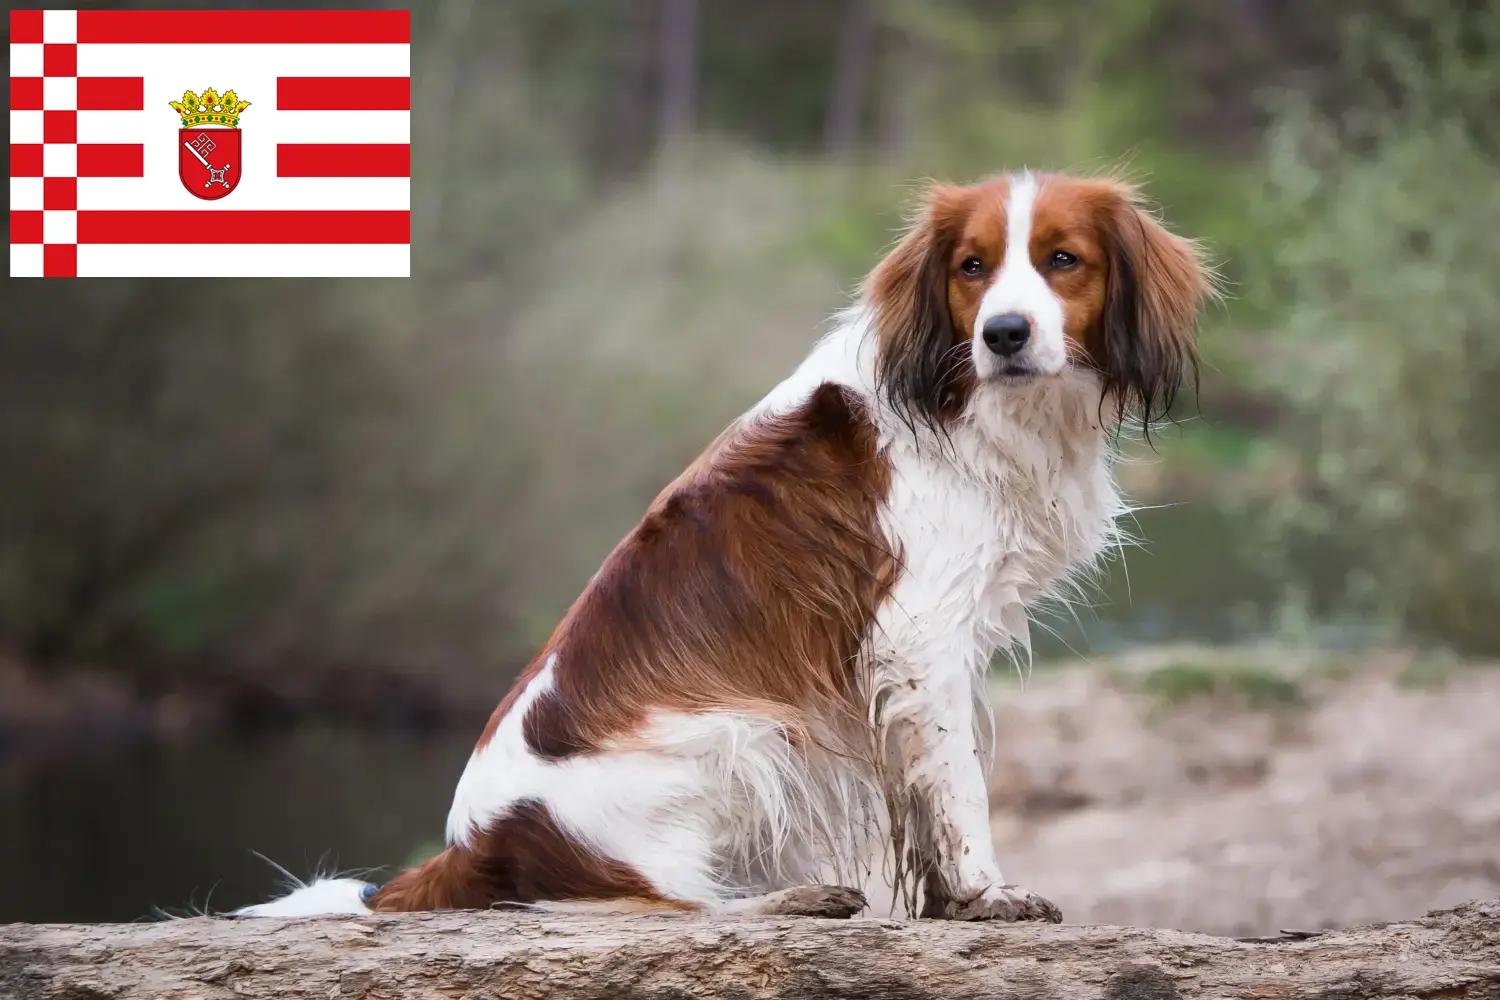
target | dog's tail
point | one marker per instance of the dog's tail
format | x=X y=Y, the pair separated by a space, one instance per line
x=322 y=895
x=445 y=882
x=454 y=879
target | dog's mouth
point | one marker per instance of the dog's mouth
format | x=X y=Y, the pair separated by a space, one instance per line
x=1022 y=367
x=1017 y=370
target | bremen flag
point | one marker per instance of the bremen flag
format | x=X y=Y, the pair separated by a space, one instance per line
x=210 y=143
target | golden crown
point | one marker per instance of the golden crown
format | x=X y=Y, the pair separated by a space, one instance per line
x=210 y=108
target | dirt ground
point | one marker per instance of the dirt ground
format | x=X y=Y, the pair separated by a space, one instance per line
x=1181 y=790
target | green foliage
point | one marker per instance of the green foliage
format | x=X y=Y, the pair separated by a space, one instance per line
x=1220 y=446
x=1388 y=342
x=1259 y=687
x=1432 y=669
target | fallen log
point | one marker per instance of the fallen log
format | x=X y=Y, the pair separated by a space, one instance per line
x=493 y=955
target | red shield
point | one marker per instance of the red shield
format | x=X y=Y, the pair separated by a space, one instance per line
x=208 y=161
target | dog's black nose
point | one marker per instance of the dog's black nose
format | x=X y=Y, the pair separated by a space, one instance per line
x=1007 y=333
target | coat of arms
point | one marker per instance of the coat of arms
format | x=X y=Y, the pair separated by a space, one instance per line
x=208 y=157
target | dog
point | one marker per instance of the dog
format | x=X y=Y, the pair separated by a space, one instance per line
x=770 y=697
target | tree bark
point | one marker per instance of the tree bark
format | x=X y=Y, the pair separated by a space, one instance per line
x=496 y=955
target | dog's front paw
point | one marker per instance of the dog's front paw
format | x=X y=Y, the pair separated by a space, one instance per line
x=1001 y=902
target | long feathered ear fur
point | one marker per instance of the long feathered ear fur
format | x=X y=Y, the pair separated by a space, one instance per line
x=920 y=368
x=1145 y=345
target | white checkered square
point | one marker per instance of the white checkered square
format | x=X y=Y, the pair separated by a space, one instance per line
x=60 y=159
x=60 y=26
x=60 y=93
x=60 y=227
x=25 y=194
x=25 y=260
x=25 y=127
x=25 y=60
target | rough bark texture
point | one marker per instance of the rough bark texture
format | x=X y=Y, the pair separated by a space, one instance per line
x=1448 y=953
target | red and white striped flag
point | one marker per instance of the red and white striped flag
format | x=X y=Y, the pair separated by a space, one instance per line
x=210 y=143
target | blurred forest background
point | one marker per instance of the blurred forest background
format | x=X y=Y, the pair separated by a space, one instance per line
x=258 y=501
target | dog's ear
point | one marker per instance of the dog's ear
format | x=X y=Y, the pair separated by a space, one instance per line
x=919 y=366
x=1146 y=343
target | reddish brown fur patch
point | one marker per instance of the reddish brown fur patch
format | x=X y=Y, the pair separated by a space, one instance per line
x=523 y=857
x=751 y=583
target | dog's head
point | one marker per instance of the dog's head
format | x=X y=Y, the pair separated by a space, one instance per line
x=1036 y=276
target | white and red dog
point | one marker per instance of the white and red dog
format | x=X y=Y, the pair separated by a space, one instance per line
x=769 y=699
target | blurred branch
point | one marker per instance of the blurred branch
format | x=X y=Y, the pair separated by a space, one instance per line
x=1449 y=953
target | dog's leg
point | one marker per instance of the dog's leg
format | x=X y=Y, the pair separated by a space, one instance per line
x=834 y=901
x=931 y=716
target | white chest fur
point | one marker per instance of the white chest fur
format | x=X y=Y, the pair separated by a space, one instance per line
x=1016 y=501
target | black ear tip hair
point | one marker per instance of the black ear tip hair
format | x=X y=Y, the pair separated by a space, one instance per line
x=917 y=371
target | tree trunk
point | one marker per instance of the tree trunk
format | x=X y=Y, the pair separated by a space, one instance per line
x=439 y=99
x=847 y=100
x=1449 y=953
x=679 y=68
x=625 y=123
x=912 y=67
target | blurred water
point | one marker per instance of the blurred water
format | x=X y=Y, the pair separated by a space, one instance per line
x=107 y=834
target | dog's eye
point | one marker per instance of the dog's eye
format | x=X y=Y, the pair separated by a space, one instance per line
x=972 y=266
x=1061 y=260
